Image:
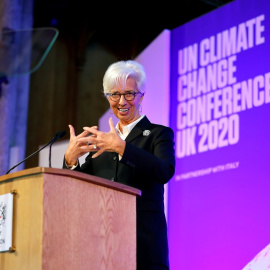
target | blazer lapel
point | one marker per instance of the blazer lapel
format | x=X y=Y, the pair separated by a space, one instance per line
x=144 y=124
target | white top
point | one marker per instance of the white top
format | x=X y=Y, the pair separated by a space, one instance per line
x=128 y=128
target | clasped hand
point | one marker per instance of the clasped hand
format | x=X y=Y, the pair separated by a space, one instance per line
x=93 y=140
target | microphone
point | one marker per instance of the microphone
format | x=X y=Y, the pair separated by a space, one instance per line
x=57 y=136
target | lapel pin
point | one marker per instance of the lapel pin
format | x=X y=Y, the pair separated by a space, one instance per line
x=146 y=132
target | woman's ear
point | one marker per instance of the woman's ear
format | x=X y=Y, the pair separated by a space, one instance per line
x=141 y=98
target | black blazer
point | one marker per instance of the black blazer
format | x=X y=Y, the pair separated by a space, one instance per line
x=148 y=163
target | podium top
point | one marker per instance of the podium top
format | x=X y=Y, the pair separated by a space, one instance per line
x=76 y=175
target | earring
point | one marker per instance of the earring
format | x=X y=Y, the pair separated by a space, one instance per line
x=140 y=108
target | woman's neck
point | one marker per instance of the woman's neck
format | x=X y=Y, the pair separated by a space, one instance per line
x=121 y=124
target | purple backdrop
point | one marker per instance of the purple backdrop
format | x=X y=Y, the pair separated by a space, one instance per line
x=218 y=208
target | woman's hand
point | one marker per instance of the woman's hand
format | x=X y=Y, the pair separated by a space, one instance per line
x=75 y=147
x=109 y=142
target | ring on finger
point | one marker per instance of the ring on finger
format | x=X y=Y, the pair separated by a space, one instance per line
x=88 y=143
x=95 y=147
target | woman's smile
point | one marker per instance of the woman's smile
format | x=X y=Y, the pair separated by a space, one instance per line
x=123 y=110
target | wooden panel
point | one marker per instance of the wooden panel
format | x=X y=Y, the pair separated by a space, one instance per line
x=97 y=226
x=27 y=224
x=70 y=220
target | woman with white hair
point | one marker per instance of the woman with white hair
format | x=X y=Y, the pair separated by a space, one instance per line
x=136 y=152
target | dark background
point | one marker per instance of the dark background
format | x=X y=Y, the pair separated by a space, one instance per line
x=124 y=28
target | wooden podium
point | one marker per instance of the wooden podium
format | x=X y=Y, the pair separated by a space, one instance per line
x=69 y=220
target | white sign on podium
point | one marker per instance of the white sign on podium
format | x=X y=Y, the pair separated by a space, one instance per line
x=6 y=215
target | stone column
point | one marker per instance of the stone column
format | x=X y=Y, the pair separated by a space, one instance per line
x=14 y=15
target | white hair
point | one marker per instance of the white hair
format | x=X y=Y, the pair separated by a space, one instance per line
x=118 y=73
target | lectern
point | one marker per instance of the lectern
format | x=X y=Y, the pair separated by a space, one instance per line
x=69 y=220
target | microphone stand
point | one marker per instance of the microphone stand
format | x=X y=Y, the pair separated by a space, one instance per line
x=33 y=154
x=50 y=154
x=56 y=137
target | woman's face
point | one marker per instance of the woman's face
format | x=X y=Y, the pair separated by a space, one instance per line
x=126 y=111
